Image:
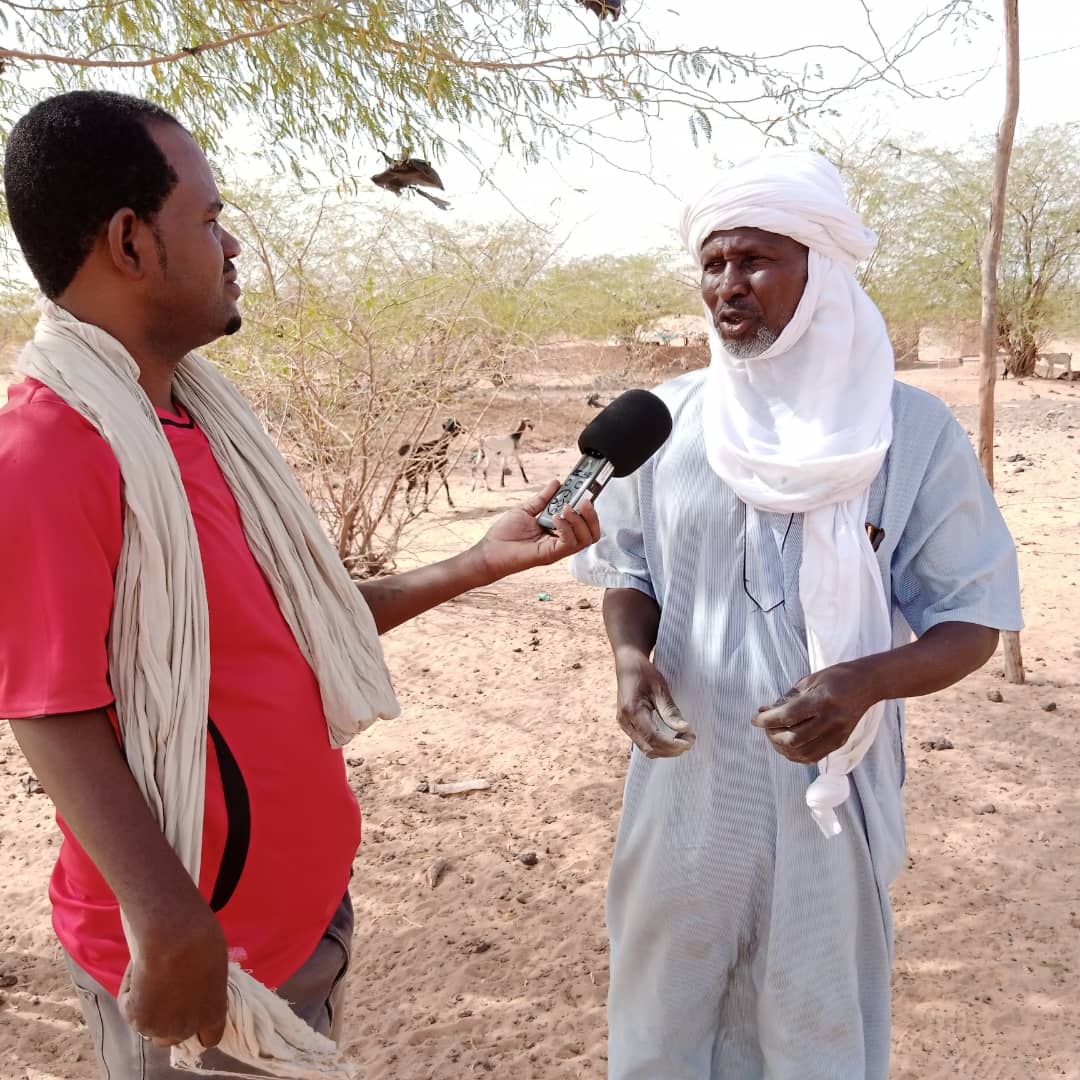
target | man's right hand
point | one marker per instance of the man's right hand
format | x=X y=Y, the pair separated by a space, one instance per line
x=175 y=988
x=646 y=710
x=175 y=985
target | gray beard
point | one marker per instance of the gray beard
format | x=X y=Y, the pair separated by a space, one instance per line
x=747 y=349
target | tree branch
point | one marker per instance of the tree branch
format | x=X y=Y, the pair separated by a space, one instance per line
x=166 y=58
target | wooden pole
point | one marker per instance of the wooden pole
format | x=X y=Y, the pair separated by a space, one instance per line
x=991 y=252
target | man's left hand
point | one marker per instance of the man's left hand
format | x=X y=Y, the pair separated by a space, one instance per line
x=818 y=714
x=516 y=542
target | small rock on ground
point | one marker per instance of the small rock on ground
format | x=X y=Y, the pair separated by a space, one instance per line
x=940 y=743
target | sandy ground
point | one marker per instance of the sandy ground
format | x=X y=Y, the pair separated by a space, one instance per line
x=502 y=968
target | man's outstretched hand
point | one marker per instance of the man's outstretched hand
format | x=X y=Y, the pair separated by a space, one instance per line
x=516 y=542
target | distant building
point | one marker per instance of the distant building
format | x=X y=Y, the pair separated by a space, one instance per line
x=949 y=348
x=675 y=330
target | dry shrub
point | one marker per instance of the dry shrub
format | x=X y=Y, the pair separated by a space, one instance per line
x=362 y=336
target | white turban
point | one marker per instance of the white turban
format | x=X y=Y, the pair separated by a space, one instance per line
x=804 y=426
x=789 y=191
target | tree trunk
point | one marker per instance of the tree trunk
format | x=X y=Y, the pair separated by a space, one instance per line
x=1014 y=665
x=1023 y=357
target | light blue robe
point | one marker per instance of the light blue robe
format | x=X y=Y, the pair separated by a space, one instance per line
x=744 y=943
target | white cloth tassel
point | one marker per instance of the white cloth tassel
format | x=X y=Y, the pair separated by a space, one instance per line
x=263 y=1031
x=846 y=617
x=159 y=644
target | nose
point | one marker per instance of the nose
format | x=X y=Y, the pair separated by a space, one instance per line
x=733 y=282
x=230 y=246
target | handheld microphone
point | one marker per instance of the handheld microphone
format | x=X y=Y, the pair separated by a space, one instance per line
x=620 y=439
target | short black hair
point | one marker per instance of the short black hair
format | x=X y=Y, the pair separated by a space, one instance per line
x=70 y=163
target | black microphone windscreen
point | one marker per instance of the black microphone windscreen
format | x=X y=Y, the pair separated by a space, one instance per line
x=628 y=432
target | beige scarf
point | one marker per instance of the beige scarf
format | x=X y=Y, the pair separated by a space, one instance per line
x=159 y=645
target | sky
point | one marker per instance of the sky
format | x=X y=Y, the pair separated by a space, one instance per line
x=624 y=197
x=630 y=202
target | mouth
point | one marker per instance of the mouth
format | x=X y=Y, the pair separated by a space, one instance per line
x=229 y=274
x=732 y=323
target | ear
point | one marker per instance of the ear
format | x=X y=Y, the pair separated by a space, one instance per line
x=129 y=242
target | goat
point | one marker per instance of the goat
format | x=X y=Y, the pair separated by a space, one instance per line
x=1053 y=359
x=503 y=448
x=427 y=457
x=1050 y=359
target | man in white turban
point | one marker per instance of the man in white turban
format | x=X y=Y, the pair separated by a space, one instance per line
x=764 y=574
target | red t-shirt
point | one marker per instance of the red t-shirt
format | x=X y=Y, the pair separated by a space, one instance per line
x=281 y=825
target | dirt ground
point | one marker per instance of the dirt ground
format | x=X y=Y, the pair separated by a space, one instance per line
x=502 y=968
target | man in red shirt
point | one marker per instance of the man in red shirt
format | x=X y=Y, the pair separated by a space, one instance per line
x=116 y=210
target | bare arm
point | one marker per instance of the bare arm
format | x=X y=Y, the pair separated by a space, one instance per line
x=632 y=620
x=822 y=710
x=646 y=710
x=515 y=542
x=175 y=986
x=398 y=598
x=944 y=655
